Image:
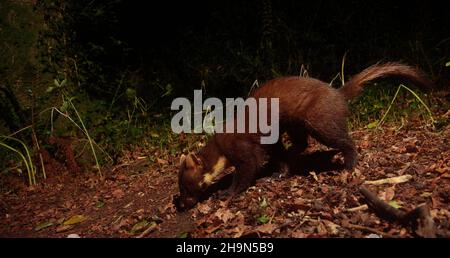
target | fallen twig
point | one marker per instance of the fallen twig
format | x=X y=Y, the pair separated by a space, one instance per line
x=148 y=230
x=371 y=230
x=359 y=208
x=134 y=162
x=390 y=180
x=383 y=209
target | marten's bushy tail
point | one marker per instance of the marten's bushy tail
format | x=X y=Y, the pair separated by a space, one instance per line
x=353 y=87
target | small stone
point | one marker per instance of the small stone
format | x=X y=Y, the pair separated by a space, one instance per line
x=373 y=236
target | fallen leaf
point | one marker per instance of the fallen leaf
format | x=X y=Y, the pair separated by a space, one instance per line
x=139 y=226
x=440 y=167
x=162 y=161
x=203 y=221
x=372 y=125
x=240 y=227
x=223 y=204
x=364 y=143
x=435 y=202
x=267 y=228
x=263 y=203
x=63 y=228
x=321 y=228
x=395 y=204
x=332 y=227
x=75 y=219
x=238 y=231
x=426 y=194
x=344 y=176
x=183 y=235
x=299 y=234
x=398 y=149
x=204 y=208
x=121 y=177
x=388 y=194
x=314 y=175
x=212 y=229
x=60 y=221
x=168 y=207
x=99 y=204
x=117 y=226
x=118 y=193
x=263 y=219
x=443 y=169
x=43 y=225
x=298 y=192
x=356 y=173
x=224 y=214
x=301 y=204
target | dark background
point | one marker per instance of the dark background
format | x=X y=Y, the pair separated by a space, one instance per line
x=123 y=62
x=229 y=44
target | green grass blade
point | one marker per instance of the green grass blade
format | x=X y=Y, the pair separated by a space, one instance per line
x=89 y=138
x=29 y=171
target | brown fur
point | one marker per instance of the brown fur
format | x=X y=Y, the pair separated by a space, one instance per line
x=307 y=107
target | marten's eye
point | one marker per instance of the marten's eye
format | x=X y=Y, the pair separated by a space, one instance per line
x=176 y=200
x=190 y=202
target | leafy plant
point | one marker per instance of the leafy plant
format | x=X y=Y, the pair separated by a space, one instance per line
x=66 y=106
x=82 y=128
x=263 y=219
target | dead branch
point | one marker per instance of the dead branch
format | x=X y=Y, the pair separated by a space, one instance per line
x=368 y=229
x=383 y=209
x=148 y=230
x=419 y=217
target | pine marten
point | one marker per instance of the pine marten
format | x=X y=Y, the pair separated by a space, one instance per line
x=307 y=106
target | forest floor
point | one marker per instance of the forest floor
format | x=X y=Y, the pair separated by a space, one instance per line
x=135 y=199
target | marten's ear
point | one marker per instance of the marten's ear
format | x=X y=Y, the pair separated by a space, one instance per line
x=212 y=178
x=192 y=161
x=182 y=159
x=203 y=185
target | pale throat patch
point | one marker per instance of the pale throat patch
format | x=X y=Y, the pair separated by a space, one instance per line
x=208 y=178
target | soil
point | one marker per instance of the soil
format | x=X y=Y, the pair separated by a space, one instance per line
x=135 y=199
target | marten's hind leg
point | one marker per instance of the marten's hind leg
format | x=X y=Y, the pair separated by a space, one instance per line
x=299 y=138
x=334 y=134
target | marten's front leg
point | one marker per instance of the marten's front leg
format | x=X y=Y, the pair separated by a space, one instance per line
x=248 y=161
x=244 y=176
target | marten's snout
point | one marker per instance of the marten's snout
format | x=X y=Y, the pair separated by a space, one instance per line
x=178 y=204
x=183 y=203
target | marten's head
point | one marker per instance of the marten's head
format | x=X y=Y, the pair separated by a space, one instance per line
x=195 y=176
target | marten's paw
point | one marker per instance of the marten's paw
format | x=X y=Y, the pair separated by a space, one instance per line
x=226 y=194
x=223 y=194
